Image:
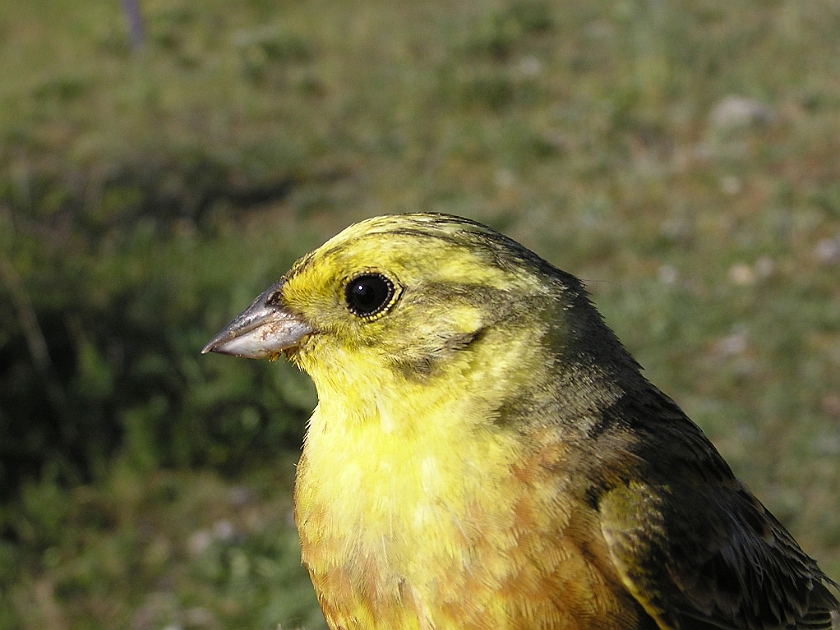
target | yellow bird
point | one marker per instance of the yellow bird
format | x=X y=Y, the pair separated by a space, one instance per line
x=485 y=454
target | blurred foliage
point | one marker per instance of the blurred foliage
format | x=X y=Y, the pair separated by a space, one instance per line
x=680 y=157
x=154 y=550
x=124 y=323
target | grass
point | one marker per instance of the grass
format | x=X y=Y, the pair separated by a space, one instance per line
x=197 y=551
x=146 y=197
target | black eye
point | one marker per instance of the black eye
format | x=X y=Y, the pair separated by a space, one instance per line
x=368 y=294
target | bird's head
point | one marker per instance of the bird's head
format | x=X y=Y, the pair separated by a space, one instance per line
x=415 y=298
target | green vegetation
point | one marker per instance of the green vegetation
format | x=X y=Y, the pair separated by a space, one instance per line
x=681 y=157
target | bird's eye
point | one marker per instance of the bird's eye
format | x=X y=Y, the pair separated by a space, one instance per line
x=368 y=294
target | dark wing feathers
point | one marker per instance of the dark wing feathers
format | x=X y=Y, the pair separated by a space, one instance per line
x=734 y=575
x=693 y=544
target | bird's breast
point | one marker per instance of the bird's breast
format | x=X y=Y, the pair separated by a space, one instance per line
x=418 y=530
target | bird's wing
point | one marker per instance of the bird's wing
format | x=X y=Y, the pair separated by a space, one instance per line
x=711 y=557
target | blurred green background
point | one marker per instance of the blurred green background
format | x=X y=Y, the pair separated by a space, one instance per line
x=681 y=157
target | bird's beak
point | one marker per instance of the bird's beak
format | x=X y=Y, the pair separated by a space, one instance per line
x=264 y=329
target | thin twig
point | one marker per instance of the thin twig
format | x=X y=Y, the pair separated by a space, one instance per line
x=136 y=26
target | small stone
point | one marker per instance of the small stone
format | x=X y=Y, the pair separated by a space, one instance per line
x=827 y=251
x=732 y=345
x=530 y=66
x=505 y=178
x=223 y=530
x=199 y=542
x=741 y=274
x=737 y=112
x=667 y=274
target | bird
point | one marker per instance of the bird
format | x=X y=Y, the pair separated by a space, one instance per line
x=486 y=454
